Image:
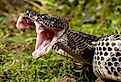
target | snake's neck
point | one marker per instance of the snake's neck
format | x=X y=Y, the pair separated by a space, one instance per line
x=76 y=45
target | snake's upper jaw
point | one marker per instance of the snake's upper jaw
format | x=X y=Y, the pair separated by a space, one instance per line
x=23 y=22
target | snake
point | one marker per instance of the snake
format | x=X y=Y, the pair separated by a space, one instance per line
x=53 y=33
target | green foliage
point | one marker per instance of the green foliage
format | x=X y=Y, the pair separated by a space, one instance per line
x=97 y=17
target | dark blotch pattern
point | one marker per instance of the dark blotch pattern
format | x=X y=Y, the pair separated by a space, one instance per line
x=102 y=44
x=109 y=64
x=96 y=62
x=112 y=69
x=109 y=72
x=99 y=62
x=113 y=44
x=120 y=59
x=100 y=48
x=102 y=58
x=101 y=53
x=97 y=53
x=116 y=64
x=95 y=57
x=115 y=73
x=107 y=43
x=98 y=57
x=104 y=48
x=97 y=48
x=106 y=67
x=98 y=43
x=106 y=53
x=118 y=54
x=119 y=69
x=114 y=59
x=106 y=39
x=116 y=49
x=109 y=48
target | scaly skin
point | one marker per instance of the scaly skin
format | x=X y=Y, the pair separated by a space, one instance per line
x=107 y=58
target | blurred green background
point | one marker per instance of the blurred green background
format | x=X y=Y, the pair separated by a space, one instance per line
x=97 y=17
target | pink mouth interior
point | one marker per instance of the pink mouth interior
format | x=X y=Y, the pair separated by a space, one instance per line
x=45 y=37
x=44 y=42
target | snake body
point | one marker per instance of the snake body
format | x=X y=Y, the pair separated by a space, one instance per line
x=77 y=45
x=53 y=33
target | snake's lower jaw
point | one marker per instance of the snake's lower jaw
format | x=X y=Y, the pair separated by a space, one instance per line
x=41 y=52
x=37 y=55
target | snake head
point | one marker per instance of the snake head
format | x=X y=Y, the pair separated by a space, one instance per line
x=30 y=17
x=48 y=29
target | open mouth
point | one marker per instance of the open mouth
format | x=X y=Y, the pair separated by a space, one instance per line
x=44 y=42
x=46 y=37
